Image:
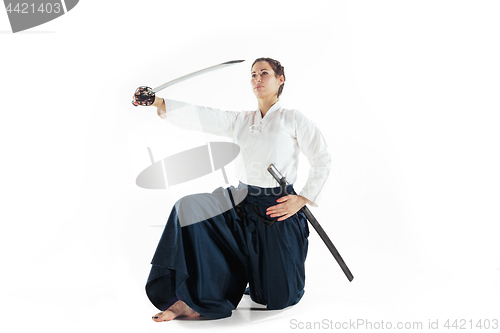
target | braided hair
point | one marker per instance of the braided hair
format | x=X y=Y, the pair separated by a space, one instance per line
x=277 y=68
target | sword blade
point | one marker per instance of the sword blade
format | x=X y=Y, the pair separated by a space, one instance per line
x=191 y=75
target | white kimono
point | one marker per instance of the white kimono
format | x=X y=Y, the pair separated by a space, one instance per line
x=277 y=138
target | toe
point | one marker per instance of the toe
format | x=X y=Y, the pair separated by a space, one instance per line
x=157 y=317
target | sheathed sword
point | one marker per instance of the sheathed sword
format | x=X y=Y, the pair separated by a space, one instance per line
x=310 y=217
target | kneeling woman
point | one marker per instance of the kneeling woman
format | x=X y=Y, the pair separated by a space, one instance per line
x=215 y=243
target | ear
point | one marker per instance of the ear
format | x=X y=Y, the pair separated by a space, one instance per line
x=282 y=79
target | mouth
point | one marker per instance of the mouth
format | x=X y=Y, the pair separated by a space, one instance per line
x=259 y=87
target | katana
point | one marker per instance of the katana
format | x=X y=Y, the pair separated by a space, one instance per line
x=147 y=92
x=201 y=71
x=310 y=217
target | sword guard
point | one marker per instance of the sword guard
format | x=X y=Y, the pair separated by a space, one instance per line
x=144 y=96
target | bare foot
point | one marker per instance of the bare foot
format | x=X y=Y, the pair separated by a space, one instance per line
x=178 y=309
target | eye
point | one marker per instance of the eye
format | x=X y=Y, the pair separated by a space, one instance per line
x=264 y=73
x=253 y=75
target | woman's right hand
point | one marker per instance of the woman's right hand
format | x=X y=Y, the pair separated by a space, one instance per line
x=160 y=107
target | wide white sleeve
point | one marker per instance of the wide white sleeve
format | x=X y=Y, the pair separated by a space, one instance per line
x=312 y=143
x=199 y=118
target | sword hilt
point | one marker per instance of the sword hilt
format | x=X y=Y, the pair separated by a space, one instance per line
x=283 y=184
x=144 y=96
x=279 y=178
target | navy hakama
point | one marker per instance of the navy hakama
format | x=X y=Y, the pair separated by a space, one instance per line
x=206 y=258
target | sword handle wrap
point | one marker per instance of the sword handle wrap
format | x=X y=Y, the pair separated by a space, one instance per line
x=143 y=96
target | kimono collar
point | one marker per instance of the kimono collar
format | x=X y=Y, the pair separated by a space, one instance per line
x=276 y=106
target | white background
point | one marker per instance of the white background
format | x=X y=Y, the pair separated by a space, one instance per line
x=405 y=93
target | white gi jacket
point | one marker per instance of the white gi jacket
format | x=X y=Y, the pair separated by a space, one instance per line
x=277 y=138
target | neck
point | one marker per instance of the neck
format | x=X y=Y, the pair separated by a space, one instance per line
x=266 y=104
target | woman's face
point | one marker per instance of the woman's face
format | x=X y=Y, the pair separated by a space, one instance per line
x=264 y=81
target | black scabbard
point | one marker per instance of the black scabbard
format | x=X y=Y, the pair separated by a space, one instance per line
x=310 y=217
x=328 y=242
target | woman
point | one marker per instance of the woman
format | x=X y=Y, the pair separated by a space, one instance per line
x=214 y=244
